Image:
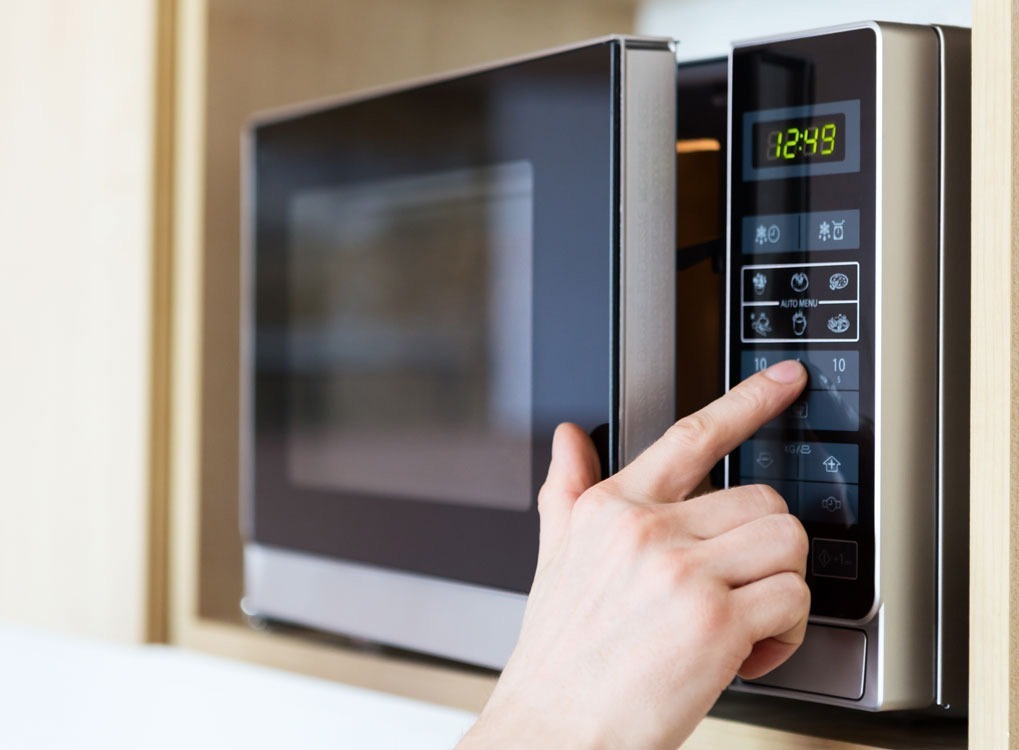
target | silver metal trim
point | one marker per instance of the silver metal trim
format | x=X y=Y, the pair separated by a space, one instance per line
x=845 y=681
x=456 y=620
x=871 y=698
x=875 y=664
x=952 y=679
x=246 y=386
x=289 y=111
x=728 y=249
x=906 y=404
x=647 y=215
x=790 y=36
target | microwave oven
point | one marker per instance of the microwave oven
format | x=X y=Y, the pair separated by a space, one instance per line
x=436 y=274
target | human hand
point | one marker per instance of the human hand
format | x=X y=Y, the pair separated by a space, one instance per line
x=646 y=604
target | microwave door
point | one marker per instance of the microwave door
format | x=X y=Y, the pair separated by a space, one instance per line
x=437 y=275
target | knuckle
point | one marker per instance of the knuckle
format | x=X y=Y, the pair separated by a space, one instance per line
x=748 y=397
x=795 y=592
x=590 y=506
x=714 y=611
x=792 y=534
x=636 y=526
x=693 y=432
x=801 y=594
x=768 y=499
x=677 y=567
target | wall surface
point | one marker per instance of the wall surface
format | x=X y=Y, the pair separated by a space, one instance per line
x=76 y=88
x=705 y=28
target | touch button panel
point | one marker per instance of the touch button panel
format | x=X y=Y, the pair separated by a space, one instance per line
x=801 y=286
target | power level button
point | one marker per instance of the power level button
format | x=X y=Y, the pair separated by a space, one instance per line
x=834 y=558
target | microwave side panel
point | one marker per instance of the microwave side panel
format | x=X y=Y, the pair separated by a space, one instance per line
x=907 y=323
x=412 y=608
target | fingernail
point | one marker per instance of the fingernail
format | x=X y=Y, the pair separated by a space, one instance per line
x=789 y=371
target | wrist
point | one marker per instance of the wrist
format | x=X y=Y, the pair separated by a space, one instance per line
x=511 y=725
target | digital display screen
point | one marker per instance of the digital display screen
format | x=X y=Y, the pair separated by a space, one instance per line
x=800 y=141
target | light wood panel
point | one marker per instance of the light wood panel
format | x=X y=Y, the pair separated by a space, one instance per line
x=994 y=614
x=161 y=319
x=76 y=187
x=187 y=280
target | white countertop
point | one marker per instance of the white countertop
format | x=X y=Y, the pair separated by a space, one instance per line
x=63 y=692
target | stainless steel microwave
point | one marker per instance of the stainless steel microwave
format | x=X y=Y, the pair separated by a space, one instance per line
x=438 y=273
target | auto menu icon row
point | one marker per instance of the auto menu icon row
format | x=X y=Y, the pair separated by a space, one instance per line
x=794 y=302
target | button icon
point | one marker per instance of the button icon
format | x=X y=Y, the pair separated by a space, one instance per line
x=772 y=295
x=831 y=230
x=834 y=558
x=831 y=465
x=832 y=462
x=831 y=504
x=799 y=323
x=772 y=233
x=767 y=234
x=800 y=410
x=838 y=323
x=760 y=323
x=838 y=281
x=763 y=459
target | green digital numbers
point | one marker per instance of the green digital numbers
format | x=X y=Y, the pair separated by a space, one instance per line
x=793 y=142
x=810 y=141
x=828 y=135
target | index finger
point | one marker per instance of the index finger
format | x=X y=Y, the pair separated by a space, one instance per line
x=673 y=466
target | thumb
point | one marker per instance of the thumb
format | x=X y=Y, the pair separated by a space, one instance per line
x=574 y=468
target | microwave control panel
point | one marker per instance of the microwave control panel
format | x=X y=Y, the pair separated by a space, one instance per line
x=802 y=270
x=848 y=249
